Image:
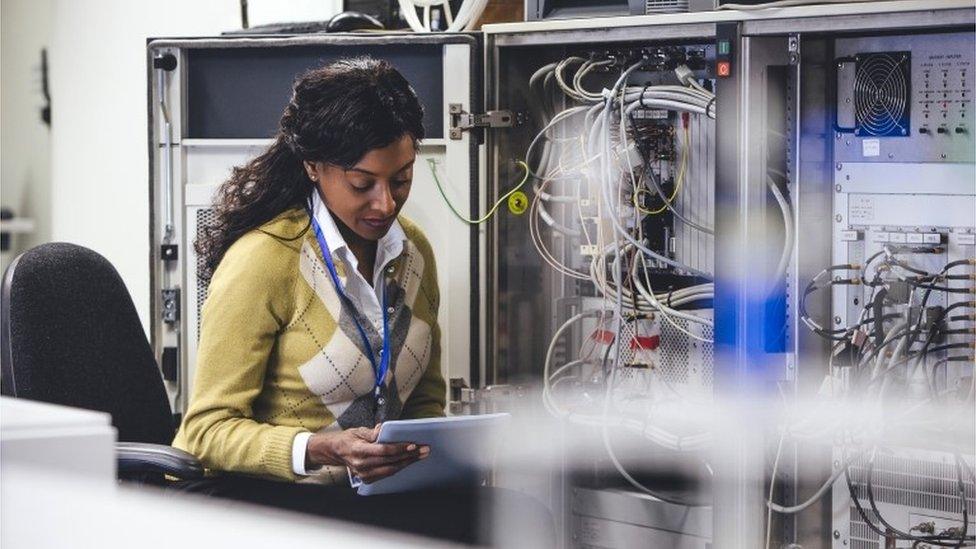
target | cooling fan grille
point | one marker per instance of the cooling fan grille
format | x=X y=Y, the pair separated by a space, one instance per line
x=882 y=94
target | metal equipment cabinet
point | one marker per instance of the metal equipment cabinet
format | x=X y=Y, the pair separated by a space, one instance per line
x=214 y=103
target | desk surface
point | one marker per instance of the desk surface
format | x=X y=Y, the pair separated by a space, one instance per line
x=17 y=414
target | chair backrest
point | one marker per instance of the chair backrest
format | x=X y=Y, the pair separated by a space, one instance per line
x=71 y=336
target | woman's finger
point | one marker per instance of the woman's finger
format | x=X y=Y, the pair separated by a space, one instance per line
x=365 y=433
x=378 y=461
x=383 y=471
x=376 y=449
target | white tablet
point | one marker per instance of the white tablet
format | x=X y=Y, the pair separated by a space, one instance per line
x=461 y=452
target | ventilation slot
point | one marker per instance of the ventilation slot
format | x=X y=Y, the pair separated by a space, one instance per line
x=909 y=482
x=665 y=6
x=684 y=359
x=205 y=218
x=913 y=483
x=674 y=352
x=862 y=536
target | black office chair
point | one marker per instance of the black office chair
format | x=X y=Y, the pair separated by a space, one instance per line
x=71 y=336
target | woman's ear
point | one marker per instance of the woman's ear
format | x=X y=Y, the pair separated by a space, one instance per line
x=310 y=170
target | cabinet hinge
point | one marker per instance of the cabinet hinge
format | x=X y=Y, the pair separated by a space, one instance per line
x=463 y=121
x=171 y=305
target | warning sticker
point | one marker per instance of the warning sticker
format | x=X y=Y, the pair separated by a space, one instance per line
x=518 y=203
x=871 y=147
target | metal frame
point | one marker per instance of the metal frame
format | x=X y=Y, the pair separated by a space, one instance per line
x=177 y=273
x=569 y=503
x=813 y=196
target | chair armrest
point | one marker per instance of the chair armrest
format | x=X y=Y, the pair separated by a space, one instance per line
x=138 y=457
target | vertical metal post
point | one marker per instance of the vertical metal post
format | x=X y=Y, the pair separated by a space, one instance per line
x=169 y=299
x=748 y=361
x=167 y=167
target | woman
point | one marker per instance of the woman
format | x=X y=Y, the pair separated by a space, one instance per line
x=321 y=319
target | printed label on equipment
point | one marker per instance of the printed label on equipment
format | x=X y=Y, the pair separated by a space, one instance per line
x=871 y=147
x=933 y=238
x=966 y=239
x=650 y=114
x=861 y=209
x=880 y=237
x=850 y=236
x=915 y=238
x=898 y=238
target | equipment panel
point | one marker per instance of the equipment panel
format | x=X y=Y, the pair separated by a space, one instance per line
x=905 y=98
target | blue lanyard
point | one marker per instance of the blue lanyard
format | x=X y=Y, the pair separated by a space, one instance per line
x=379 y=370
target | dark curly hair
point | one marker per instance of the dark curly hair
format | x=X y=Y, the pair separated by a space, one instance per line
x=337 y=114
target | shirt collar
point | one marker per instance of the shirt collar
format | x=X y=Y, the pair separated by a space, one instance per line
x=389 y=247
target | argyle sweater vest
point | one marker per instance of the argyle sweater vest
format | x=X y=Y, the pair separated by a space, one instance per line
x=280 y=354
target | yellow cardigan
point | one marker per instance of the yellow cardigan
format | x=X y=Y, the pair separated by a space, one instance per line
x=280 y=355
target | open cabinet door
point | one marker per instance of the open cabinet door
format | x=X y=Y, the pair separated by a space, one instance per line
x=215 y=103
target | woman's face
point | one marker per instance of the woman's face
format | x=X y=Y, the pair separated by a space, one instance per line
x=367 y=197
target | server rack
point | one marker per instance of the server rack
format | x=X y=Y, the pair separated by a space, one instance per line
x=777 y=86
x=868 y=170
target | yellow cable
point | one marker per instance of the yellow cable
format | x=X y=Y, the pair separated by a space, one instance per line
x=433 y=170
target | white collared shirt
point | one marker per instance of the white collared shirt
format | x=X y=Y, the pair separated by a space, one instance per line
x=365 y=297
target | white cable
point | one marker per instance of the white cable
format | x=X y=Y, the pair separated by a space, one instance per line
x=813 y=499
x=784 y=206
x=547 y=400
x=772 y=486
x=408 y=11
x=465 y=19
x=596 y=161
x=448 y=14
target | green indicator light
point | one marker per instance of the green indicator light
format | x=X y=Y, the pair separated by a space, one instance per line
x=724 y=47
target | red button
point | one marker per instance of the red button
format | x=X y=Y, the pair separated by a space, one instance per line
x=723 y=68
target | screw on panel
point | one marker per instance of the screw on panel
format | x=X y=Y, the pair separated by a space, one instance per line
x=836 y=464
x=838 y=188
x=943 y=155
x=836 y=534
x=837 y=320
x=840 y=166
x=891 y=155
x=838 y=218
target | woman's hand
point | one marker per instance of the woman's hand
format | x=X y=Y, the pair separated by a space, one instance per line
x=358 y=450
